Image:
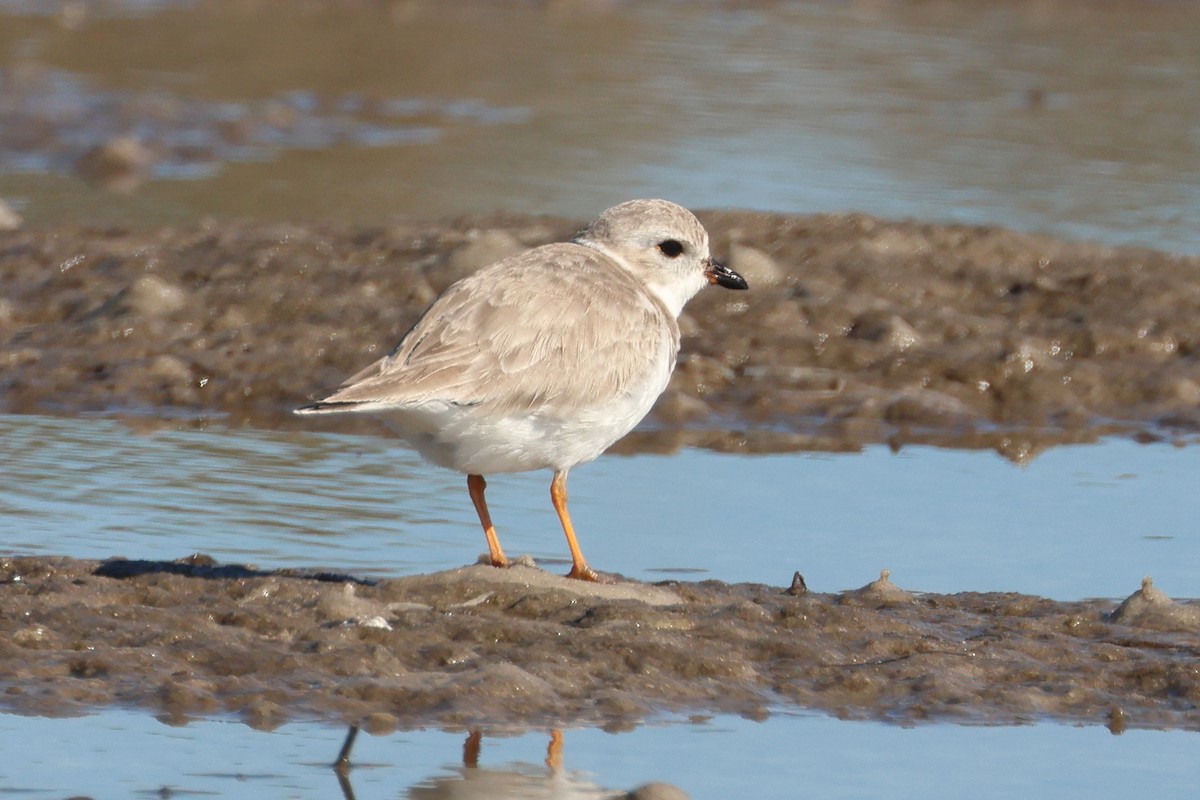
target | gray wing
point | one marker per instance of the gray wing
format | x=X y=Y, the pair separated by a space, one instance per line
x=559 y=326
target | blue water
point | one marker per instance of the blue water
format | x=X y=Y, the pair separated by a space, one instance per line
x=1075 y=118
x=1076 y=522
x=124 y=754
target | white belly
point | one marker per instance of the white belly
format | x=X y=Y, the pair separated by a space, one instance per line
x=471 y=440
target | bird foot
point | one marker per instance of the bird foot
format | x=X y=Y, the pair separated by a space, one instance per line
x=586 y=573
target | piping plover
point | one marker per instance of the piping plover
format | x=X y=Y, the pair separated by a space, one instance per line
x=544 y=359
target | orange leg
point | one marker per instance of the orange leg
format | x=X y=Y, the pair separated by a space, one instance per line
x=475 y=485
x=558 y=496
x=554 y=750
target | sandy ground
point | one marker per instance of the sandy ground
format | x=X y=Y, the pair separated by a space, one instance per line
x=497 y=649
x=855 y=330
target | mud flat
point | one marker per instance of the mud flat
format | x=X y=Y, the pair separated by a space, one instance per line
x=492 y=648
x=856 y=330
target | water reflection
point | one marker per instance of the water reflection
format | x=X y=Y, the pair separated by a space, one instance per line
x=96 y=489
x=1077 y=118
x=56 y=122
x=516 y=781
x=118 y=753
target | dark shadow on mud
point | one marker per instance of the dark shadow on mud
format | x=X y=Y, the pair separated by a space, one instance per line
x=202 y=566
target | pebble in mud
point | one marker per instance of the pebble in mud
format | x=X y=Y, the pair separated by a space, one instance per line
x=10 y=220
x=148 y=296
x=757 y=267
x=886 y=328
x=656 y=791
x=481 y=249
x=879 y=592
x=119 y=164
x=1150 y=607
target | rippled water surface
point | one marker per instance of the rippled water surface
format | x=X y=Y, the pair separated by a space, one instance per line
x=120 y=754
x=1073 y=117
x=1077 y=522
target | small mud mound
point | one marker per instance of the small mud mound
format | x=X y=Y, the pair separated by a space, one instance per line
x=518 y=647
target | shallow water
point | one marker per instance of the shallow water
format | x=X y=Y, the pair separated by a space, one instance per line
x=1076 y=118
x=1077 y=522
x=118 y=753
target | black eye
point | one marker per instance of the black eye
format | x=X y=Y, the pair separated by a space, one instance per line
x=670 y=248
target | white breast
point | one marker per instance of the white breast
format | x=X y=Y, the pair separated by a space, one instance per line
x=472 y=440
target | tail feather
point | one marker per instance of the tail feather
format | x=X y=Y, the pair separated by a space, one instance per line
x=325 y=407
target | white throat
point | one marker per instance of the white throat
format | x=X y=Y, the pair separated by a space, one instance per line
x=673 y=292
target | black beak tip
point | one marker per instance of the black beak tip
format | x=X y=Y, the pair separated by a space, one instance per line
x=722 y=275
x=735 y=281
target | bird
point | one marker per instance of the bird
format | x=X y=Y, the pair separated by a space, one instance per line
x=546 y=358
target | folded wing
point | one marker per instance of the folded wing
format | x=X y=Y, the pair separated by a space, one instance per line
x=483 y=343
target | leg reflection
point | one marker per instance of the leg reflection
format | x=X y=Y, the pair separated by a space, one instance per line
x=342 y=763
x=471 y=748
x=507 y=781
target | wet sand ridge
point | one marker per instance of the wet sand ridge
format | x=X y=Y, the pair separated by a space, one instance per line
x=503 y=649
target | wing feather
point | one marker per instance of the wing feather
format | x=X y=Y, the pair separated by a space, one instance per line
x=560 y=327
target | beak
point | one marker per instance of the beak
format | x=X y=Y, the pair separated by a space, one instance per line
x=721 y=275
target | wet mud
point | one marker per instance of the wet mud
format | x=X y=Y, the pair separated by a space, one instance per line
x=855 y=330
x=502 y=649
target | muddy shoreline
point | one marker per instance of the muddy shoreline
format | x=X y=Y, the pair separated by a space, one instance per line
x=481 y=647
x=855 y=331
